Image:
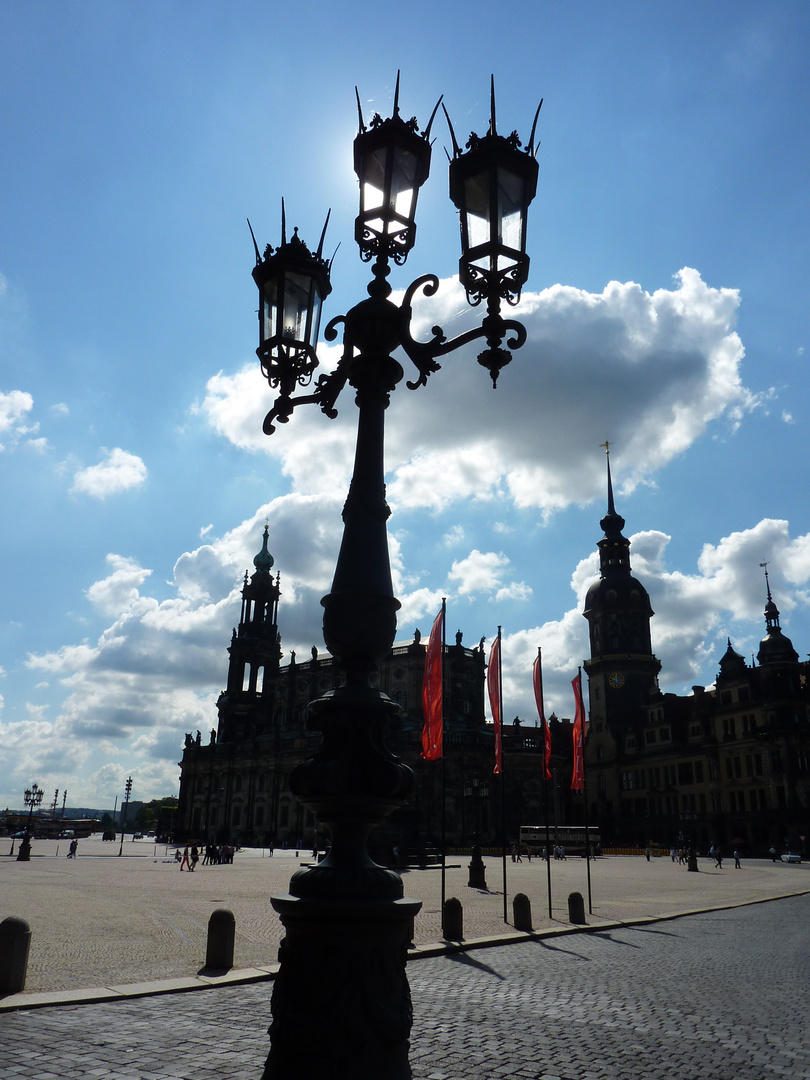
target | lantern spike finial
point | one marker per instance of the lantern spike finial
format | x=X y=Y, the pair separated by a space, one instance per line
x=283 y=223
x=396 y=96
x=492 y=126
x=432 y=118
x=255 y=245
x=359 y=110
x=319 y=253
x=532 y=147
x=456 y=148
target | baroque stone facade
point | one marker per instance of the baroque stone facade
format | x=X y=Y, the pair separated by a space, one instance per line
x=234 y=787
x=728 y=765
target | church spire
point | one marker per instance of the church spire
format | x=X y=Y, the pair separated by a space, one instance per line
x=614 y=548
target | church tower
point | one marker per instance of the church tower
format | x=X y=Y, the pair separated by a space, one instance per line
x=246 y=706
x=622 y=671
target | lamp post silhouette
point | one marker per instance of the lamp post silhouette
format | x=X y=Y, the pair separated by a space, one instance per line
x=341 y=1003
x=128 y=791
x=33 y=798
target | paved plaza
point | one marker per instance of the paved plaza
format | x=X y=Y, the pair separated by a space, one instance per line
x=104 y=921
x=717 y=996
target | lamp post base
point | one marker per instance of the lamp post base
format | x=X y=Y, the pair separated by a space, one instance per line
x=477 y=878
x=341 y=1002
x=24 y=854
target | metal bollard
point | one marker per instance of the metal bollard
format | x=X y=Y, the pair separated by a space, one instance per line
x=15 y=941
x=453 y=920
x=221 y=934
x=576 y=908
x=522 y=912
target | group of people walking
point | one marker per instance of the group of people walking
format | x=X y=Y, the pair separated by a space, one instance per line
x=215 y=855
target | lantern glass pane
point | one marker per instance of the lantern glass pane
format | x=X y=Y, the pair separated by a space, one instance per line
x=269 y=310
x=476 y=190
x=296 y=306
x=403 y=183
x=511 y=198
x=373 y=180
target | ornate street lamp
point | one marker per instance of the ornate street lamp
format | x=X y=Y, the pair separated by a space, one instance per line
x=33 y=798
x=341 y=1003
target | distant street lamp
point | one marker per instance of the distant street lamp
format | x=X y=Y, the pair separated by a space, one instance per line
x=33 y=797
x=690 y=816
x=341 y=1003
x=128 y=790
x=476 y=789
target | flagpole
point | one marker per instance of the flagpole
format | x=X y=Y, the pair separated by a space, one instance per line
x=545 y=776
x=503 y=780
x=585 y=800
x=444 y=798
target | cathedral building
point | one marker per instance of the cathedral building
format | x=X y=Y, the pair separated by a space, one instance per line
x=234 y=787
x=728 y=765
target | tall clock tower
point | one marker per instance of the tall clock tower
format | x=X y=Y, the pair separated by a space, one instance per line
x=622 y=670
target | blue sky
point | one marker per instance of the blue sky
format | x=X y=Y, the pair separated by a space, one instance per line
x=666 y=307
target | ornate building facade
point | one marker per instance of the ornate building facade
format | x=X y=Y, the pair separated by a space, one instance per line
x=729 y=765
x=235 y=786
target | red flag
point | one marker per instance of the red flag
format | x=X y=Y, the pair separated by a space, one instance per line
x=432 y=692
x=578 y=776
x=537 y=680
x=494 y=689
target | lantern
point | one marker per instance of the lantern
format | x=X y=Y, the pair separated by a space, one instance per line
x=492 y=185
x=293 y=284
x=392 y=161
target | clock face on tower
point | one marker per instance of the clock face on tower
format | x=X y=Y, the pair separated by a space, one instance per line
x=616 y=680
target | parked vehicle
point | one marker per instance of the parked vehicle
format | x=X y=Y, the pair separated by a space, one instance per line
x=791 y=856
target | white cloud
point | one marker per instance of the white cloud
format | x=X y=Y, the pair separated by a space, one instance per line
x=119 y=471
x=651 y=371
x=14 y=409
x=482 y=572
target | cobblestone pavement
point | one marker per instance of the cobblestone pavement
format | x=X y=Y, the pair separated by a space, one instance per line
x=717 y=996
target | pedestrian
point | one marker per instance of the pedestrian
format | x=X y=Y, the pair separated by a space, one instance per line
x=772 y=853
x=647 y=853
x=195 y=857
x=672 y=853
x=513 y=852
x=737 y=860
x=185 y=861
x=718 y=858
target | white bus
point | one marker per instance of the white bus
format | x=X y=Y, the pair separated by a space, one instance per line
x=570 y=837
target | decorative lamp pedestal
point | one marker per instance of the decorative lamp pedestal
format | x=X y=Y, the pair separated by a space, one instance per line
x=341 y=1003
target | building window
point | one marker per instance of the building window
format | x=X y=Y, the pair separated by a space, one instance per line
x=650 y=737
x=627 y=781
x=259 y=815
x=698 y=772
x=686 y=773
x=664 y=736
